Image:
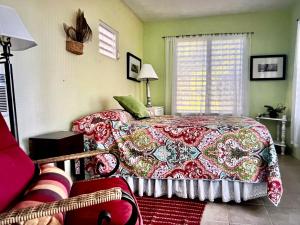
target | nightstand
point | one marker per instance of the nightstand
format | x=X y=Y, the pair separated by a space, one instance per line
x=281 y=130
x=58 y=144
x=156 y=110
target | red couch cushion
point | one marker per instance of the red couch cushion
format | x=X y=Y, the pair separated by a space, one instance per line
x=120 y=210
x=16 y=168
x=7 y=139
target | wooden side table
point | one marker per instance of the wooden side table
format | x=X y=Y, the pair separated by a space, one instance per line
x=58 y=144
x=281 y=130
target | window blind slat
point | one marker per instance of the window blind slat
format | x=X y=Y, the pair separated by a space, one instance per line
x=106 y=32
x=107 y=48
x=107 y=41
x=107 y=53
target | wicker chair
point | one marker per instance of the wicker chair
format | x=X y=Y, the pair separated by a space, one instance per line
x=98 y=197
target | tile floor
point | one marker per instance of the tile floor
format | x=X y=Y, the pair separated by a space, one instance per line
x=261 y=211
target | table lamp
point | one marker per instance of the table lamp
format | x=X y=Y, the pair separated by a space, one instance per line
x=147 y=73
x=13 y=36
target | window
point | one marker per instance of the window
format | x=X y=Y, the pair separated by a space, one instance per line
x=3 y=97
x=210 y=75
x=108 y=41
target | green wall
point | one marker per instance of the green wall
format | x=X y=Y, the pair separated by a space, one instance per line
x=272 y=36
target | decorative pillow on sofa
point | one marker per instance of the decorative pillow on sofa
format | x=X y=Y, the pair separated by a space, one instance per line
x=133 y=106
x=52 y=184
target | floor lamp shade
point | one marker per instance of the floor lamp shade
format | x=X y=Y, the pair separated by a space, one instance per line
x=147 y=73
x=13 y=36
x=11 y=26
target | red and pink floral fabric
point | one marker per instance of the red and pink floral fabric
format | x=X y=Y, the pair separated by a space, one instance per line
x=97 y=128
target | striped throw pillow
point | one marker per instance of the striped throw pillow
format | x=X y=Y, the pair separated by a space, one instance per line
x=53 y=184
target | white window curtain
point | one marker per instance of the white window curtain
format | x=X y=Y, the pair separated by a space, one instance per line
x=169 y=54
x=207 y=74
x=296 y=94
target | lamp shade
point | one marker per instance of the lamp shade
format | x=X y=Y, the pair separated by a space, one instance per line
x=147 y=72
x=12 y=26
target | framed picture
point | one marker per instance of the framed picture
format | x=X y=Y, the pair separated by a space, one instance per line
x=267 y=67
x=134 y=65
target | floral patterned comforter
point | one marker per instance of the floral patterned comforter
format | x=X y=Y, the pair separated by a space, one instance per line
x=187 y=147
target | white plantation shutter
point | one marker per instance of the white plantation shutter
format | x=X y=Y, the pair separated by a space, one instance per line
x=108 y=41
x=3 y=98
x=210 y=75
x=191 y=76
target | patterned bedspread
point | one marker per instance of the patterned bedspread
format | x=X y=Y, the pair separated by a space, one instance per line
x=187 y=147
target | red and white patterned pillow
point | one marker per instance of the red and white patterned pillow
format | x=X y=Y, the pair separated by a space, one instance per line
x=52 y=184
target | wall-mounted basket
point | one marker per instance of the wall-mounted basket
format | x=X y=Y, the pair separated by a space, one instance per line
x=74 y=47
x=77 y=35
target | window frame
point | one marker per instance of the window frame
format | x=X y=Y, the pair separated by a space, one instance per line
x=112 y=31
x=243 y=77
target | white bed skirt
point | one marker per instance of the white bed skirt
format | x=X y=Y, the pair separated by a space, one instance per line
x=202 y=189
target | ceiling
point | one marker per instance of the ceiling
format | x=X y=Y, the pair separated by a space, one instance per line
x=153 y=10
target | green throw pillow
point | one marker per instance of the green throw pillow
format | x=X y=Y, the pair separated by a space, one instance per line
x=133 y=106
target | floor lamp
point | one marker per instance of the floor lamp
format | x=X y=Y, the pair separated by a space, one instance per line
x=13 y=36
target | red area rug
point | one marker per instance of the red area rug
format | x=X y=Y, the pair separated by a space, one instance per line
x=167 y=211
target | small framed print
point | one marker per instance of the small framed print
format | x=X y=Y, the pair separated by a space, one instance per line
x=134 y=65
x=268 y=67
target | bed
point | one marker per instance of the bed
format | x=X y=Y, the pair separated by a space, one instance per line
x=197 y=156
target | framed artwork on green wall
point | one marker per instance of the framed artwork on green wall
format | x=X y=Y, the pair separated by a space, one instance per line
x=134 y=65
x=267 y=67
